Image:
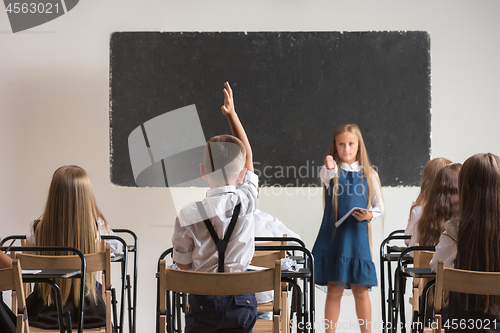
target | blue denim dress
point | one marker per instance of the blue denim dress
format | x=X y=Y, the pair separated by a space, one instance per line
x=343 y=254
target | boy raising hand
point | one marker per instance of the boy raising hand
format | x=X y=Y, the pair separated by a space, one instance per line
x=230 y=201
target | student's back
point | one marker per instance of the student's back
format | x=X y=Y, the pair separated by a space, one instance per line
x=429 y=173
x=69 y=219
x=441 y=206
x=225 y=218
x=473 y=238
x=192 y=242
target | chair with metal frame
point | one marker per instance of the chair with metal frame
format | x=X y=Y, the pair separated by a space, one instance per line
x=462 y=281
x=389 y=253
x=201 y=283
x=306 y=274
x=94 y=262
x=131 y=287
x=46 y=275
x=10 y=279
x=399 y=306
x=267 y=259
x=22 y=241
x=420 y=259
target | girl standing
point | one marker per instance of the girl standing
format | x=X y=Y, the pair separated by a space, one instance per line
x=342 y=255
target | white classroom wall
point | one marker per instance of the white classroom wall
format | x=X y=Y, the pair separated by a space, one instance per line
x=54 y=105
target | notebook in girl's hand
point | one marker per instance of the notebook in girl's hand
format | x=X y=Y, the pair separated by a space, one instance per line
x=343 y=218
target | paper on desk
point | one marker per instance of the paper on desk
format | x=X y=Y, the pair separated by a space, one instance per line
x=255 y=268
x=31 y=271
x=343 y=218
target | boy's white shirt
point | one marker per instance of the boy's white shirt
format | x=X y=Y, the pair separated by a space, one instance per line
x=192 y=241
x=377 y=203
x=267 y=225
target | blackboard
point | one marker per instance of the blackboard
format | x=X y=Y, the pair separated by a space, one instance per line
x=292 y=90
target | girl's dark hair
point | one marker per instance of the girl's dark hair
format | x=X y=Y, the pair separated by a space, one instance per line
x=442 y=205
x=479 y=213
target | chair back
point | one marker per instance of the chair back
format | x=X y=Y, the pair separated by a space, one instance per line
x=202 y=283
x=267 y=258
x=422 y=258
x=11 y=279
x=100 y=261
x=464 y=281
x=95 y=262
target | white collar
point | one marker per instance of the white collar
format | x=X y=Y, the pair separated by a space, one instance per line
x=351 y=167
x=221 y=190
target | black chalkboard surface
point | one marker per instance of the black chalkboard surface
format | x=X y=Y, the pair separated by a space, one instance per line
x=291 y=90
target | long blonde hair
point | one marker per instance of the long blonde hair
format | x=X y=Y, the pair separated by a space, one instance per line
x=70 y=219
x=361 y=157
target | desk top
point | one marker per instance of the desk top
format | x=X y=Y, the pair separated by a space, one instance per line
x=395 y=257
x=420 y=272
x=298 y=259
x=302 y=273
x=396 y=248
x=51 y=274
x=117 y=257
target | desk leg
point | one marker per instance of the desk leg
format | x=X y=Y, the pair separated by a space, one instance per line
x=382 y=292
x=402 y=285
x=135 y=287
x=114 y=302
x=129 y=302
x=390 y=298
x=299 y=303
x=169 y=313
x=312 y=304
x=59 y=305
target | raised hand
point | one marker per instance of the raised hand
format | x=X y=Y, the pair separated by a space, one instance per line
x=228 y=107
x=330 y=162
x=236 y=127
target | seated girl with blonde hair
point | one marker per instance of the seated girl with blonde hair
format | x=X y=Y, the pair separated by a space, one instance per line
x=71 y=218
